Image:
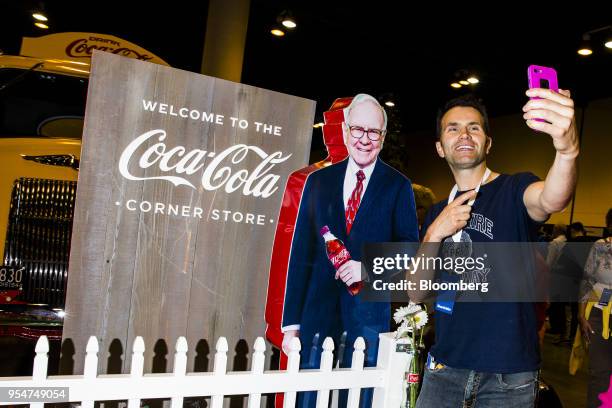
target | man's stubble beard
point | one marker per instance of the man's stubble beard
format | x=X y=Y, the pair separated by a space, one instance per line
x=469 y=165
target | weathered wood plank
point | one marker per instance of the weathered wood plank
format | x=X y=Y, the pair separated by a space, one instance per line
x=161 y=276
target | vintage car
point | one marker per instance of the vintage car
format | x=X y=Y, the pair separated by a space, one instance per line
x=42 y=104
x=42 y=107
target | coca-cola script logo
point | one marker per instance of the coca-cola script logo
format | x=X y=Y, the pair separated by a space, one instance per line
x=340 y=257
x=215 y=174
x=82 y=49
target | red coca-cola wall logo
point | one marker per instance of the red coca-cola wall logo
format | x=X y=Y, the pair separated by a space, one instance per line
x=82 y=48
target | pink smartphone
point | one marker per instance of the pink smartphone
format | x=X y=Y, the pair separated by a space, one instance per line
x=542 y=77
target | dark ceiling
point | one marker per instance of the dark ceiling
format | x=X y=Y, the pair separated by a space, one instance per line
x=342 y=48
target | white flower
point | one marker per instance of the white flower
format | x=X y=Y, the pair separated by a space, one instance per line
x=410 y=318
x=420 y=319
x=400 y=314
x=404 y=312
x=403 y=330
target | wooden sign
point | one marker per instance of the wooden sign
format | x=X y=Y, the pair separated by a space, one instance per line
x=180 y=184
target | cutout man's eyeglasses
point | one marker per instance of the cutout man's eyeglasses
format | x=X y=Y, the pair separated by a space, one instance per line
x=373 y=134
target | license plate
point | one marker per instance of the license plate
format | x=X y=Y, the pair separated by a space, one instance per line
x=11 y=277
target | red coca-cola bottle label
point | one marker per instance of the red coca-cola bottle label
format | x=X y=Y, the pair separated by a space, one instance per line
x=340 y=258
x=413 y=378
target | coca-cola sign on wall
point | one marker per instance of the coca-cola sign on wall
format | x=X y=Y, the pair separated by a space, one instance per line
x=180 y=184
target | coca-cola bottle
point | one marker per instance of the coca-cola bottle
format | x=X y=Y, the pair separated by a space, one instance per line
x=338 y=255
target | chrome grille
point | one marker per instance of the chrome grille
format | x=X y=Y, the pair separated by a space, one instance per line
x=38 y=237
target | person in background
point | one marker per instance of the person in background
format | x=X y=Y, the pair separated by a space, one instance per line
x=559 y=239
x=594 y=314
x=556 y=311
x=424 y=199
x=574 y=260
x=577 y=233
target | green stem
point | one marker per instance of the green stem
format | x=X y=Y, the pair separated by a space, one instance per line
x=413 y=365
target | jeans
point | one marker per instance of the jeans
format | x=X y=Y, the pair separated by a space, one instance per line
x=448 y=387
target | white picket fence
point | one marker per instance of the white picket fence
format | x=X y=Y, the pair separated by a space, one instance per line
x=385 y=378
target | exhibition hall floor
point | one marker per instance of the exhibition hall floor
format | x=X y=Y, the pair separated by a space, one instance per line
x=570 y=388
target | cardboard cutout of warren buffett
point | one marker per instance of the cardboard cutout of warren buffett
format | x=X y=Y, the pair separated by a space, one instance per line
x=360 y=199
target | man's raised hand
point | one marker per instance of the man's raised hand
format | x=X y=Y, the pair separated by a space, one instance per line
x=453 y=217
x=558 y=109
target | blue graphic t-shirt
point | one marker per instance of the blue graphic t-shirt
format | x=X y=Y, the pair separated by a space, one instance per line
x=491 y=337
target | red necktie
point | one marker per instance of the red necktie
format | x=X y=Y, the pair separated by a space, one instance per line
x=353 y=202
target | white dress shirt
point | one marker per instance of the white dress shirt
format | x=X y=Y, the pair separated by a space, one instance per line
x=350 y=182
x=350 y=179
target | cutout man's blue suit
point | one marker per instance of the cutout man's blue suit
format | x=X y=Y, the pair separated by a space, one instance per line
x=320 y=304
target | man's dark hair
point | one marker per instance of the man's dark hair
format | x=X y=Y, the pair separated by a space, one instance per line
x=469 y=101
x=577 y=226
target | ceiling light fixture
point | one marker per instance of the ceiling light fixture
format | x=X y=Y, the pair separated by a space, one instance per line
x=463 y=77
x=585 y=46
x=603 y=33
x=40 y=17
x=286 y=19
x=289 y=23
x=277 y=32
